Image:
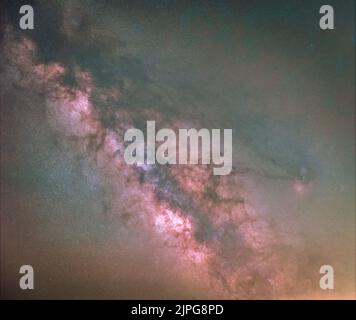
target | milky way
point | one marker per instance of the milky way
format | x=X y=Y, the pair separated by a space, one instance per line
x=213 y=225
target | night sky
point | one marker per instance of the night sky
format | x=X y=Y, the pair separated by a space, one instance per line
x=94 y=227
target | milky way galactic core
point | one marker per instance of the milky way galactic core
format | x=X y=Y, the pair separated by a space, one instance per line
x=178 y=150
